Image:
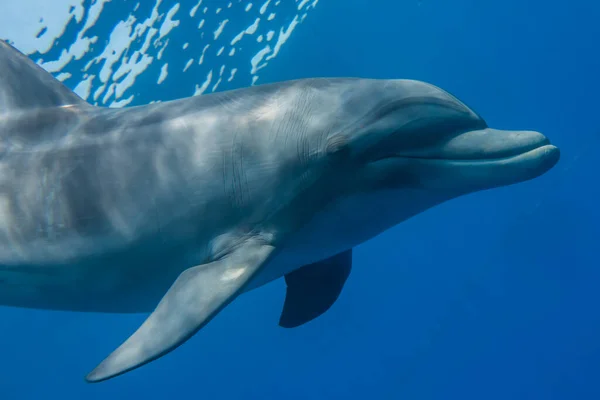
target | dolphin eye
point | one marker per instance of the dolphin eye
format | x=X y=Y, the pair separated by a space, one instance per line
x=338 y=147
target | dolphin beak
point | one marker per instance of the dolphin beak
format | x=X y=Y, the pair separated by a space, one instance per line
x=488 y=144
x=484 y=159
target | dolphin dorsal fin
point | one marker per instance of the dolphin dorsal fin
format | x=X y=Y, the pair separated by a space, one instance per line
x=25 y=85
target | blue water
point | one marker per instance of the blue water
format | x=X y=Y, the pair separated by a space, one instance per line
x=490 y=296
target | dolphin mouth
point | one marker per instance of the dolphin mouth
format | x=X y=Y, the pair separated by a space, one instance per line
x=485 y=145
x=478 y=160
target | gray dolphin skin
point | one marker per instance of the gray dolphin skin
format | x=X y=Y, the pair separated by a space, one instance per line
x=177 y=208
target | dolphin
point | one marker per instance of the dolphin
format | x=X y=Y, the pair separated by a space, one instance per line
x=177 y=208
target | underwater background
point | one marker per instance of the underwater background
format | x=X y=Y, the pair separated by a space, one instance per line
x=494 y=295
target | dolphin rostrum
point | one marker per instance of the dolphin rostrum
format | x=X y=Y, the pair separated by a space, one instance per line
x=177 y=208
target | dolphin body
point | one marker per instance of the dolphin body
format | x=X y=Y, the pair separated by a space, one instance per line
x=177 y=208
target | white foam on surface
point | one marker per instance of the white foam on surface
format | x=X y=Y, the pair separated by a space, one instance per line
x=121 y=103
x=63 y=75
x=232 y=74
x=219 y=30
x=302 y=4
x=202 y=88
x=99 y=91
x=258 y=57
x=162 y=50
x=251 y=30
x=84 y=87
x=201 y=60
x=237 y=38
x=284 y=35
x=195 y=9
x=216 y=85
x=20 y=23
x=131 y=69
x=169 y=23
x=263 y=8
x=163 y=73
x=109 y=62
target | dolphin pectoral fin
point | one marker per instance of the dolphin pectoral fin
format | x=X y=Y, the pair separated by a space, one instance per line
x=197 y=295
x=312 y=289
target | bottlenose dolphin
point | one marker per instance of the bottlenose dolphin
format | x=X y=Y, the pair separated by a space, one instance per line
x=177 y=208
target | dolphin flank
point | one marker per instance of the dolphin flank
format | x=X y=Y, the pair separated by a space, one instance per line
x=177 y=208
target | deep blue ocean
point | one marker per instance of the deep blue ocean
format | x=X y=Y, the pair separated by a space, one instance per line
x=494 y=295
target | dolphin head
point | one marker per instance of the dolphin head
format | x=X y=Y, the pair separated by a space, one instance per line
x=349 y=158
x=410 y=134
x=391 y=149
